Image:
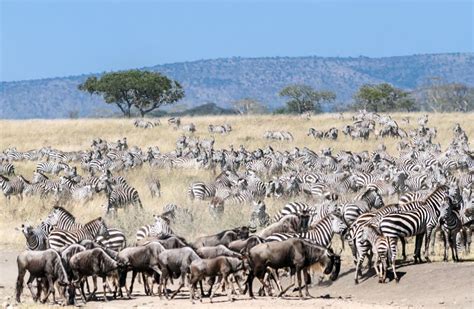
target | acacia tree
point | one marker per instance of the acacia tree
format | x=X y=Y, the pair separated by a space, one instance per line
x=383 y=98
x=303 y=98
x=144 y=90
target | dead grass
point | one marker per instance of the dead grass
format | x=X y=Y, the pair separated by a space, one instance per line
x=71 y=135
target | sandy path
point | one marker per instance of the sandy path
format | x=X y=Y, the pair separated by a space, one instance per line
x=435 y=285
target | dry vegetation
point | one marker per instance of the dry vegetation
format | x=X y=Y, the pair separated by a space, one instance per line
x=77 y=134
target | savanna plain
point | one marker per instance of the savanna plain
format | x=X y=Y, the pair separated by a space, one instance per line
x=429 y=285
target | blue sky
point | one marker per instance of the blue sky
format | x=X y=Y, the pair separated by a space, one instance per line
x=57 y=38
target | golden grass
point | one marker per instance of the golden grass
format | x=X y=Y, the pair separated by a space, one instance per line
x=71 y=135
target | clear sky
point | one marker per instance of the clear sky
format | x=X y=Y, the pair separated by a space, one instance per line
x=56 y=38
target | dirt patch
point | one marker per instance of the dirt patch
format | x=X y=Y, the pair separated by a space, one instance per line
x=434 y=285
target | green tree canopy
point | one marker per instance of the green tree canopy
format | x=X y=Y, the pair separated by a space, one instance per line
x=143 y=90
x=303 y=98
x=383 y=98
x=249 y=106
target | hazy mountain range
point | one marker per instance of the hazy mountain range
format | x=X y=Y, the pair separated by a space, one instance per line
x=225 y=80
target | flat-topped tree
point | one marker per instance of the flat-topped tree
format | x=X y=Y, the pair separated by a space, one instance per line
x=303 y=98
x=144 y=90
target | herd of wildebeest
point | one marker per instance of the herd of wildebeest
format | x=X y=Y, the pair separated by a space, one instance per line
x=344 y=193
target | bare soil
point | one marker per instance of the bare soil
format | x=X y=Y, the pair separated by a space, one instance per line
x=429 y=285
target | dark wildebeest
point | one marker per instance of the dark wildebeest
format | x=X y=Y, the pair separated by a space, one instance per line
x=174 y=263
x=167 y=241
x=140 y=259
x=297 y=254
x=221 y=266
x=95 y=262
x=243 y=246
x=222 y=238
x=287 y=224
x=41 y=264
x=220 y=250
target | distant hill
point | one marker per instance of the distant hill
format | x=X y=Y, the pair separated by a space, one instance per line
x=225 y=80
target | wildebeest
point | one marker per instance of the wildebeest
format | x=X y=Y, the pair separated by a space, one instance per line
x=174 y=263
x=287 y=224
x=41 y=264
x=244 y=245
x=221 y=266
x=94 y=262
x=297 y=254
x=215 y=251
x=139 y=259
x=222 y=238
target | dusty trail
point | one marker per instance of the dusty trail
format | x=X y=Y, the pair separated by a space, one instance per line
x=434 y=285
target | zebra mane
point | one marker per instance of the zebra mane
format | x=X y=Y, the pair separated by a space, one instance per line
x=439 y=189
x=64 y=211
x=93 y=221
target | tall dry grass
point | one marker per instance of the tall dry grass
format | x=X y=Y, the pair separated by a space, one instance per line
x=71 y=135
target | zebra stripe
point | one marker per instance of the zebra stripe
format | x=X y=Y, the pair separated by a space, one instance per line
x=60 y=238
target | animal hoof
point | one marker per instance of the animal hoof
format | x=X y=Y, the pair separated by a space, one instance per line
x=356 y=281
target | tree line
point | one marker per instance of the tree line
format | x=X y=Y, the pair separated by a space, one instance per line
x=142 y=92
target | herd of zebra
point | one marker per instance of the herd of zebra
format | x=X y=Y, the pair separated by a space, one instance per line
x=370 y=199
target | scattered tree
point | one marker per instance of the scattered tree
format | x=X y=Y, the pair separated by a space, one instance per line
x=303 y=98
x=448 y=97
x=249 y=106
x=383 y=98
x=144 y=90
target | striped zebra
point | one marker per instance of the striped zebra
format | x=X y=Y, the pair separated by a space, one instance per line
x=450 y=223
x=320 y=234
x=154 y=186
x=51 y=167
x=62 y=219
x=36 y=238
x=362 y=203
x=159 y=228
x=60 y=238
x=120 y=195
x=421 y=220
x=201 y=191
x=12 y=187
x=77 y=191
x=115 y=240
x=380 y=248
x=177 y=214
x=259 y=216
x=7 y=169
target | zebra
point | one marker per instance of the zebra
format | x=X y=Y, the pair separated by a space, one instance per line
x=259 y=216
x=450 y=224
x=12 y=187
x=7 y=169
x=160 y=227
x=320 y=234
x=380 y=248
x=175 y=213
x=120 y=194
x=78 y=192
x=362 y=203
x=421 y=220
x=51 y=167
x=60 y=238
x=62 y=219
x=201 y=191
x=115 y=240
x=154 y=186
x=175 y=122
x=36 y=238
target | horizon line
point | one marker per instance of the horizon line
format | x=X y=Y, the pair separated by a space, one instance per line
x=232 y=57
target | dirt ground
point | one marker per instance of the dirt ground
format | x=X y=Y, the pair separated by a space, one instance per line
x=434 y=285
